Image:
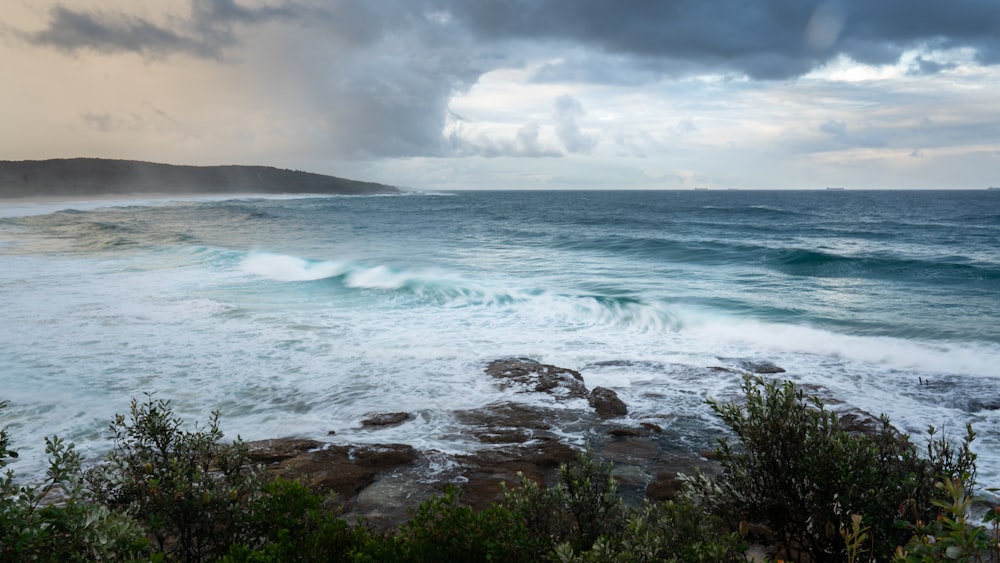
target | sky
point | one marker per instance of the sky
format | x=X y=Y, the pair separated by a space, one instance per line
x=516 y=94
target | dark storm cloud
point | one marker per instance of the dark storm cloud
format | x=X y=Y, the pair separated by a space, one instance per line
x=208 y=28
x=768 y=39
x=381 y=73
x=70 y=30
x=765 y=40
x=206 y=33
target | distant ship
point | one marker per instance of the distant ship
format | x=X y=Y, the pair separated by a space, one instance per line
x=828 y=188
x=993 y=188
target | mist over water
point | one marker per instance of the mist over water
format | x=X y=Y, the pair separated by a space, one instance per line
x=298 y=316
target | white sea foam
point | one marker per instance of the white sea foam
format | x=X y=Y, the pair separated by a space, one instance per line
x=289 y=268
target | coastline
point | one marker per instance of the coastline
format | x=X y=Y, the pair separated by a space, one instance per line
x=90 y=177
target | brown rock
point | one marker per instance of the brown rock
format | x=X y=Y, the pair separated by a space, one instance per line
x=761 y=367
x=664 y=487
x=652 y=427
x=606 y=402
x=347 y=470
x=532 y=376
x=625 y=432
x=486 y=470
x=509 y=423
x=385 y=419
x=278 y=449
x=857 y=422
x=508 y=415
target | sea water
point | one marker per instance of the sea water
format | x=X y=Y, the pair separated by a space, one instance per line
x=303 y=315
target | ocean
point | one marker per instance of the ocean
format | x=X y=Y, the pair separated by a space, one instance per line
x=300 y=316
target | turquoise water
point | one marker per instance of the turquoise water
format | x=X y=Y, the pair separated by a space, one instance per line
x=302 y=315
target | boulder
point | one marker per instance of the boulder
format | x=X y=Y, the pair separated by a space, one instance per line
x=664 y=487
x=606 y=403
x=346 y=470
x=531 y=376
x=279 y=449
x=859 y=422
x=763 y=367
x=485 y=471
x=977 y=405
x=385 y=419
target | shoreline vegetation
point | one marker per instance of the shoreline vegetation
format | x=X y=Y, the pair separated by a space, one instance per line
x=792 y=481
x=101 y=177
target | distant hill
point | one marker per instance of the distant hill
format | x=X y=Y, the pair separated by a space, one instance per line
x=97 y=176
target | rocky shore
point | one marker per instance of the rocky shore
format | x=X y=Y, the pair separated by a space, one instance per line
x=382 y=483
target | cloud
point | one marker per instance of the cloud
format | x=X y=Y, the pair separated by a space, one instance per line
x=525 y=144
x=375 y=79
x=773 y=39
x=206 y=33
x=568 y=110
x=70 y=30
x=107 y=123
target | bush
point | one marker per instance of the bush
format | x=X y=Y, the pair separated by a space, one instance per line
x=950 y=536
x=56 y=521
x=191 y=492
x=290 y=522
x=443 y=530
x=798 y=473
x=580 y=508
x=667 y=532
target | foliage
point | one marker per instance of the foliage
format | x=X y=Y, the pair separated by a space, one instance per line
x=189 y=490
x=583 y=506
x=795 y=470
x=55 y=521
x=950 y=536
x=443 y=530
x=290 y=522
x=669 y=532
x=169 y=494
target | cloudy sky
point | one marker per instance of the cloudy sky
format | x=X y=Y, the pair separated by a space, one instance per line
x=446 y=94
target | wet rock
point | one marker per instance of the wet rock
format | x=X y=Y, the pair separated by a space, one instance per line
x=761 y=367
x=606 y=402
x=278 y=449
x=508 y=415
x=508 y=423
x=487 y=470
x=652 y=427
x=532 y=376
x=630 y=450
x=625 y=432
x=977 y=405
x=346 y=470
x=859 y=422
x=385 y=419
x=664 y=487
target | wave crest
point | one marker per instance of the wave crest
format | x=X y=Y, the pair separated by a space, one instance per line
x=434 y=288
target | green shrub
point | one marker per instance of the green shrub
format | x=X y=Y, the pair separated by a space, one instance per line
x=444 y=530
x=290 y=522
x=667 y=532
x=798 y=473
x=580 y=508
x=56 y=521
x=950 y=536
x=190 y=491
